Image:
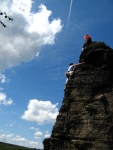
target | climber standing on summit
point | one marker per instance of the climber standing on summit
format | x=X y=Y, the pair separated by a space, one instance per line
x=88 y=41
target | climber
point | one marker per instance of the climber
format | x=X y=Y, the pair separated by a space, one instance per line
x=69 y=74
x=88 y=40
x=71 y=70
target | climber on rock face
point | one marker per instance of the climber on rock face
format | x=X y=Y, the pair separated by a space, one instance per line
x=69 y=74
x=71 y=70
x=88 y=41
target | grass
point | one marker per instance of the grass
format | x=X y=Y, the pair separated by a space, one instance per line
x=6 y=146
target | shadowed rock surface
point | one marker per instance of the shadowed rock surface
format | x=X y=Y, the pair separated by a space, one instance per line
x=85 y=119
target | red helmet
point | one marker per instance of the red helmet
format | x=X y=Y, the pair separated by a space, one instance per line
x=86 y=36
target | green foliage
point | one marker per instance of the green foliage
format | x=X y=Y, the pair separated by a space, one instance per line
x=5 y=146
x=5 y=16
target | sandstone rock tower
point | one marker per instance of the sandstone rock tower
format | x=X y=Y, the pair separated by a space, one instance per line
x=85 y=119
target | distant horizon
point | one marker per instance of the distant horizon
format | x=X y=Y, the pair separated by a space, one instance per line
x=15 y=146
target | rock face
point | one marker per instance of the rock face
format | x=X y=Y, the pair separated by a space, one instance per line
x=85 y=119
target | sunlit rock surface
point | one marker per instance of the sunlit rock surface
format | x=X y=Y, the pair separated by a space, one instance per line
x=85 y=120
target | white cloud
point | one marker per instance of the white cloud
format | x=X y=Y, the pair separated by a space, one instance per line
x=2 y=78
x=5 y=137
x=22 y=7
x=18 y=140
x=23 y=38
x=37 y=134
x=3 y=99
x=47 y=135
x=10 y=125
x=40 y=111
x=33 y=128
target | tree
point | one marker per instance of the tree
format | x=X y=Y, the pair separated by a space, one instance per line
x=5 y=16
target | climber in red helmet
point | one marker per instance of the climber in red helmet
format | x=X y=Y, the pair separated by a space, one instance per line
x=88 y=40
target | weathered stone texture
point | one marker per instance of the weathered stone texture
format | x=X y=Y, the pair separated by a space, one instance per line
x=85 y=120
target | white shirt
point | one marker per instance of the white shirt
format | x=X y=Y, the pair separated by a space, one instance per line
x=71 y=68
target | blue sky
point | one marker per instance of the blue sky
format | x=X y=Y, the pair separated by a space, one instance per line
x=35 y=51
